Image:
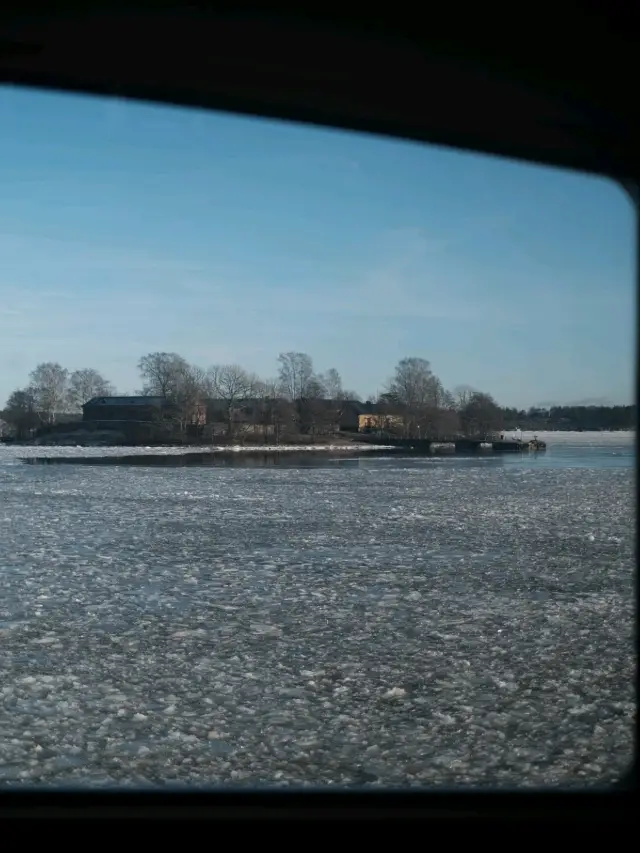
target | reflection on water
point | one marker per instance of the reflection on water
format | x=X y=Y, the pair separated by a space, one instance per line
x=560 y=455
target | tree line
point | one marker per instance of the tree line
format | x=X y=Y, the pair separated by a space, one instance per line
x=573 y=418
x=296 y=398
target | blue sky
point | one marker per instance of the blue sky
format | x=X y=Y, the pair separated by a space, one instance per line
x=127 y=228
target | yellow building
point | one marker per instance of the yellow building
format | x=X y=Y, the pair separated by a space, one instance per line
x=370 y=421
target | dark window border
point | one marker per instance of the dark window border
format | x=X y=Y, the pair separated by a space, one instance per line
x=554 y=88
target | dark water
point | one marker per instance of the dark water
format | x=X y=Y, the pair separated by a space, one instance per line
x=573 y=450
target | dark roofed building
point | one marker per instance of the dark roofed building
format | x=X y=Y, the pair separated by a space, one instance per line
x=330 y=414
x=144 y=418
x=245 y=410
x=350 y=413
x=141 y=409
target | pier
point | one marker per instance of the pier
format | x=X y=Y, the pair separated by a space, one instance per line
x=457 y=444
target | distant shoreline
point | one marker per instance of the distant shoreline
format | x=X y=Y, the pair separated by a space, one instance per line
x=242 y=455
x=346 y=447
x=342 y=444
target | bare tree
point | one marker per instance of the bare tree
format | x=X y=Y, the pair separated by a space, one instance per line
x=337 y=397
x=414 y=390
x=274 y=413
x=332 y=382
x=448 y=415
x=311 y=408
x=481 y=415
x=20 y=413
x=438 y=416
x=302 y=388
x=295 y=374
x=461 y=396
x=429 y=408
x=48 y=385
x=448 y=399
x=186 y=399
x=412 y=381
x=231 y=384
x=162 y=372
x=84 y=385
x=184 y=387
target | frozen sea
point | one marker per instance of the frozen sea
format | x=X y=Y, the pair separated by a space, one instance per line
x=370 y=621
